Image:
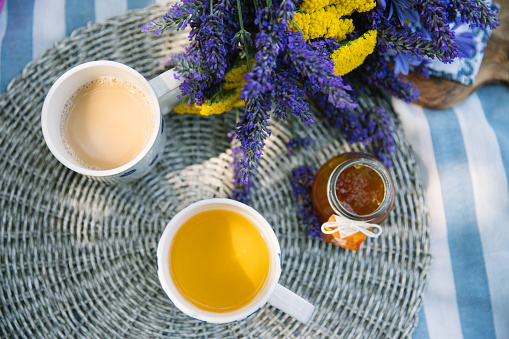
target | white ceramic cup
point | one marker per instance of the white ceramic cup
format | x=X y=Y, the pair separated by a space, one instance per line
x=162 y=91
x=272 y=292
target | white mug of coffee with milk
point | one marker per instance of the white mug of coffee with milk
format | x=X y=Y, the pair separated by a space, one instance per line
x=103 y=119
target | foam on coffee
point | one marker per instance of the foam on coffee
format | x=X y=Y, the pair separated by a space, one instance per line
x=106 y=123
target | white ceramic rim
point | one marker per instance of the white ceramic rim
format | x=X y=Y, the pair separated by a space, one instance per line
x=163 y=267
x=46 y=111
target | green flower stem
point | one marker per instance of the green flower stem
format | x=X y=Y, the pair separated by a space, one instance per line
x=269 y=4
x=298 y=154
x=296 y=24
x=211 y=10
x=292 y=125
x=243 y=32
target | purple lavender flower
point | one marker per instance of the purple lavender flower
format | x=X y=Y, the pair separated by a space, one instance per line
x=346 y=120
x=403 y=40
x=285 y=11
x=434 y=19
x=191 y=67
x=434 y=37
x=477 y=13
x=381 y=129
x=294 y=145
x=215 y=46
x=367 y=124
x=210 y=53
x=302 y=181
x=324 y=46
x=318 y=70
x=268 y=45
x=252 y=130
x=177 y=17
x=241 y=189
x=375 y=72
x=288 y=67
x=289 y=97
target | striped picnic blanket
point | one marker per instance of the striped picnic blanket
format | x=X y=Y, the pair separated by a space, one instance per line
x=464 y=158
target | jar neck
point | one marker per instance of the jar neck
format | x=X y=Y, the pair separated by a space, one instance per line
x=333 y=197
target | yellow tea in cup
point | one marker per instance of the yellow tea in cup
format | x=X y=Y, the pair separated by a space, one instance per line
x=219 y=260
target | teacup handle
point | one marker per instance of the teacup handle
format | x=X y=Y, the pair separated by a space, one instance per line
x=167 y=89
x=291 y=304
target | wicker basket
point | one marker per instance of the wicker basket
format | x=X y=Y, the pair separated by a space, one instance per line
x=77 y=257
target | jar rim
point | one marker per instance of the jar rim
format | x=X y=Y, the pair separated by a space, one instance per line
x=379 y=168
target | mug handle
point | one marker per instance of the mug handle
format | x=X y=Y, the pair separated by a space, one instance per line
x=291 y=304
x=166 y=88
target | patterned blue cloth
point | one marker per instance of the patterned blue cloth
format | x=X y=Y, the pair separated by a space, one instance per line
x=464 y=158
x=464 y=69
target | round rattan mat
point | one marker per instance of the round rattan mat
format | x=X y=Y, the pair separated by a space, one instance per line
x=77 y=257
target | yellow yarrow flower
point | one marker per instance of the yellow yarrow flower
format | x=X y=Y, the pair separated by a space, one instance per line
x=343 y=7
x=232 y=85
x=309 y=6
x=352 y=55
x=340 y=29
x=222 y=106
x=226 y=98
x=303 y=20
x=188 y=109
x=227 y=102
x=235 y=76
x=322 y=23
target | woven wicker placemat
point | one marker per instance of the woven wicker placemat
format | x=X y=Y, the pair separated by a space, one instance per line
x=77 y=257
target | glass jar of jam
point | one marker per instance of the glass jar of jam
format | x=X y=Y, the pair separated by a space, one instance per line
x=356 y=186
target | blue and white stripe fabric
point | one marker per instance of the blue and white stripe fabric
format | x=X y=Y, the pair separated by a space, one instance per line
x=463 y=153
x=28 y=27
x=464 y=159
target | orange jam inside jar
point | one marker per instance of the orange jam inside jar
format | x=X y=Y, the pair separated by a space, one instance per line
x=356 y=186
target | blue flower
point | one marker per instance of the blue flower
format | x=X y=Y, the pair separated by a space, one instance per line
x=466 y=44
x=402 y=63
x=404 y=9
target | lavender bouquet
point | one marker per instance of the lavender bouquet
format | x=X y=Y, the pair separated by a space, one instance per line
x=273 y=57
